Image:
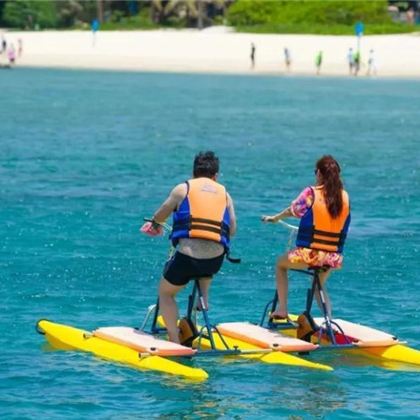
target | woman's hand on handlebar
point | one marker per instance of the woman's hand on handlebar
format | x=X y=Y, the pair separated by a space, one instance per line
x=269 y=219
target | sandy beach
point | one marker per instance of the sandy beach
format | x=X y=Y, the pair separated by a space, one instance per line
x=215 y=50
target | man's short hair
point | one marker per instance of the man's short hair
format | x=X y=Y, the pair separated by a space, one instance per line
x=206 y=164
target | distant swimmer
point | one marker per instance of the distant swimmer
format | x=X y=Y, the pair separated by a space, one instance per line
x=203 y=222
x=324 y=213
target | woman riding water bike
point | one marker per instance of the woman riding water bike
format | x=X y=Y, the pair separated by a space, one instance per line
x=324 y=213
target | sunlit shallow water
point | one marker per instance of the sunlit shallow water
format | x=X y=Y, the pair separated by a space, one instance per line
x=85 y=155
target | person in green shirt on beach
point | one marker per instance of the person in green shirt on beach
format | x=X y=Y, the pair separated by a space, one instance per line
x=318 y=62
x=356 y=62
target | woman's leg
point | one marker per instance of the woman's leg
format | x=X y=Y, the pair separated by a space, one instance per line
x=283 y=264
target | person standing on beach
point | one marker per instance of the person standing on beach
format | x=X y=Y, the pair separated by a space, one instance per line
x=324 y=213
x=356 y=62
x=20 y=47
x=203 y=222
x=287 y=59
x=3 y=44
x=252 y=55
x=318 y=62
x=371 y=64
x=350 y=60
x=11 y=54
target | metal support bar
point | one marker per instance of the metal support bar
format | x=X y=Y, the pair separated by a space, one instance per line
x=328 y=327
x=208 y=326
x=154 y=328
x=261 y=324
x=207 y=331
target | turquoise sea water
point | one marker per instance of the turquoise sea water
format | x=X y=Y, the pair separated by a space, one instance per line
x=85 y=155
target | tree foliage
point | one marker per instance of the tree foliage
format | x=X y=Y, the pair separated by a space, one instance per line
x=71 y=13
x=2 y=4
x=265 y=16
x=30 y=14
x=257 y=12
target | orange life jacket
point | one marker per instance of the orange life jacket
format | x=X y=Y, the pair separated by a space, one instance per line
x=203 y=213
x=318 y=230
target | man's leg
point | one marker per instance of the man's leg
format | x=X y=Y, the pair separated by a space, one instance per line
x=168 y=307
x=283 y=264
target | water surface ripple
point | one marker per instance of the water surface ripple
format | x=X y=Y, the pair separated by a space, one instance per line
x=85 y=155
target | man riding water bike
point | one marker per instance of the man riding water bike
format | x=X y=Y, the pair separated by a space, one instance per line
x=203 y=222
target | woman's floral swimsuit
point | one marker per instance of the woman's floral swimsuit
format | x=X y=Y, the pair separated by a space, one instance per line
x=312 y=257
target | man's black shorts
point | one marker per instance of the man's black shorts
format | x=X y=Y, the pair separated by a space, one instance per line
x=181 y=268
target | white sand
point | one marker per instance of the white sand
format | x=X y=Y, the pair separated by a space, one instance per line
x=213 y=50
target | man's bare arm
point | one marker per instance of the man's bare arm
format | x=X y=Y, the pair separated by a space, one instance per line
x=170 y=204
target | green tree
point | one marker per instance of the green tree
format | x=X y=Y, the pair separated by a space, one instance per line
x=253 y=12
x=2 y=4
x=30 y=14
x=72 y=13
x=197 y=13
x=325 y=12
x=68 y=12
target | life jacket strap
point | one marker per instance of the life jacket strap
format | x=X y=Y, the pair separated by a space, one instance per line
x=326 y=242
x=207 y=221
x=231 y=259
x=324 y=233
x=196 y=223
x=312 y=235
x=196 y=226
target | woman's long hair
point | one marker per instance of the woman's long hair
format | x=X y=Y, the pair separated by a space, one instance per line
x=333 y=186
